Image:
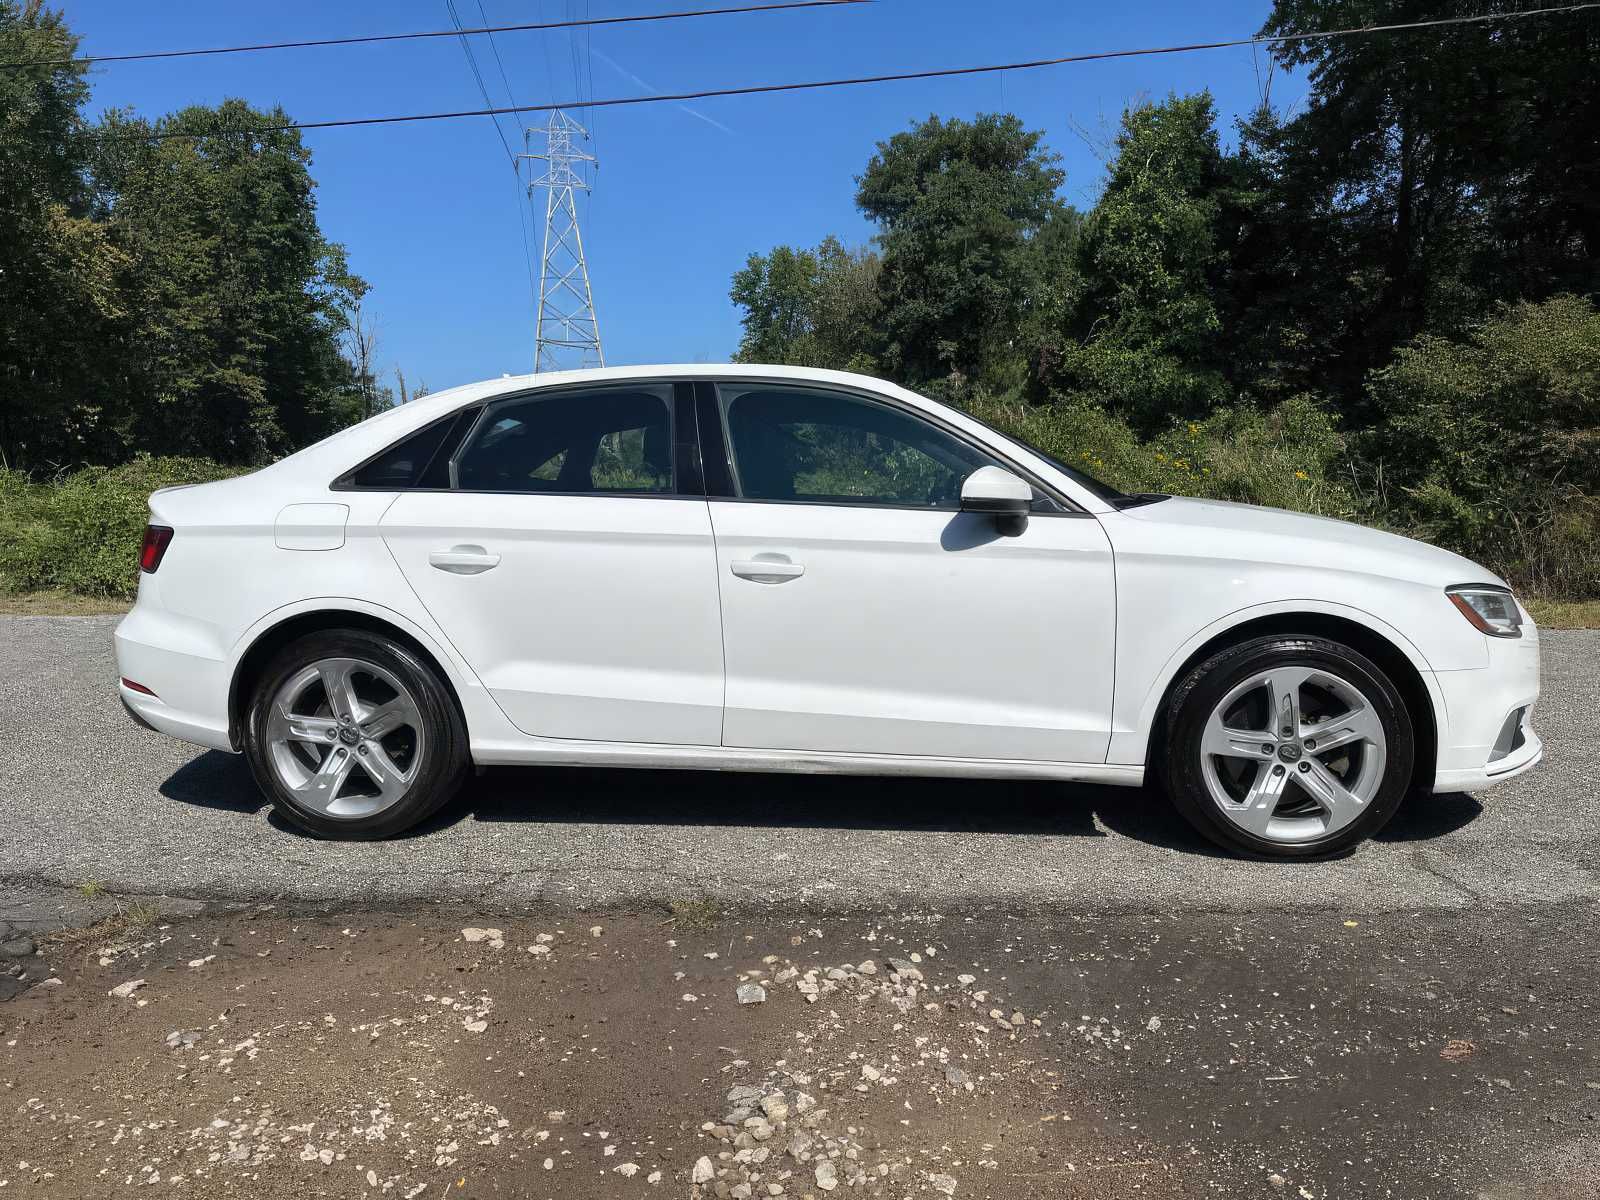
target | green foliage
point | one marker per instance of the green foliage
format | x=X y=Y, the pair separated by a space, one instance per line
x=1288 y=458
x=82 y=532
x=1146 y=322
x=170 y=296
x=1492 y=441
x=813 y=308
x=959 y=205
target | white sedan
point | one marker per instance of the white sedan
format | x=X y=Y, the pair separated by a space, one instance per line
x=774 y=569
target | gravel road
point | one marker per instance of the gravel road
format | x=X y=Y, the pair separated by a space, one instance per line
x=91 y=797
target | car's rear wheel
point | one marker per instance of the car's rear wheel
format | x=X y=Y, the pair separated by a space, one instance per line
x=1288 y=747
x=351 y=735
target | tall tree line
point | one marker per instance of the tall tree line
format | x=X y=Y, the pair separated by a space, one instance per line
x=172 y=296
x=1412 y=255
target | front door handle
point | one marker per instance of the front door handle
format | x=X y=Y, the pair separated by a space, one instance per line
x=767 y=569
x=464 y=560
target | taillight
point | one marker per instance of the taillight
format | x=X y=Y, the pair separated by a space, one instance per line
x=156 y=540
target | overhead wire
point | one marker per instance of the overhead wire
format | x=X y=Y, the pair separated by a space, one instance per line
x=521 y=195
x=888 y=77
x=368 y=39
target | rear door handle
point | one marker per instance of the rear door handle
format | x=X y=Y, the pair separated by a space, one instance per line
x=464 y=560
x=767 y=570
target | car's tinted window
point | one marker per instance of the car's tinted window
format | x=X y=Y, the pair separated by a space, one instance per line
x=818 y=446
x=421 y=460
x=600 y=440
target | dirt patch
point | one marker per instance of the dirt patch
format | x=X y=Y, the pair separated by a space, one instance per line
x=269 y=1056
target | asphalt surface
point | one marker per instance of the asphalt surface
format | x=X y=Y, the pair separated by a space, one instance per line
x=88 y=796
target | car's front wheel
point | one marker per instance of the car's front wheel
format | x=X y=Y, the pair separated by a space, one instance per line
x=1290 y=747
x=351 y=735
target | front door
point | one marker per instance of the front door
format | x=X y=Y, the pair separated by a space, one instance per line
x=569 y=571
x=863 y=612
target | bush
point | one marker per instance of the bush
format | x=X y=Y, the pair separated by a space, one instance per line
x=1491 y=444
x=1286 y=458
x=81 y=533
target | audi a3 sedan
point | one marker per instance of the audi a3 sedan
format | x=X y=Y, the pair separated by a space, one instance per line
x=773 y=569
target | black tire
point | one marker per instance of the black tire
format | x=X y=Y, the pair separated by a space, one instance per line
x=1179 y=763
x=442 y=743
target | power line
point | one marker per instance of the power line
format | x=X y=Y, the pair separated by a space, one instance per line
x=472 y=63
x=431 y=33
x=944 y=73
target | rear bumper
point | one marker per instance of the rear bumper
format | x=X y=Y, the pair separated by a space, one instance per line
x=173 y=657
x=1481 y=708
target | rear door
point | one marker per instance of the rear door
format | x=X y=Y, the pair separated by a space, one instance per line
x=570 y=560
x=863 y=612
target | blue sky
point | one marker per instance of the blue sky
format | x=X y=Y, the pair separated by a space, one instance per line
x=429 y=212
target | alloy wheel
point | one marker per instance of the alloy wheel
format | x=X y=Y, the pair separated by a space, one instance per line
x=345 y=736
x=1293 y=753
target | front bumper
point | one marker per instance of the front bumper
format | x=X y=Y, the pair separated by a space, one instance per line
x=1482 y=708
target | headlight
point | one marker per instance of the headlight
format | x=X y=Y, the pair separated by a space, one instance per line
x=1491 y=609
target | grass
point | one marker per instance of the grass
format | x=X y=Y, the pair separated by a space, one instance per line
x=695 y=915
x=56 y=603
x=129 y=919
x=1565 y=614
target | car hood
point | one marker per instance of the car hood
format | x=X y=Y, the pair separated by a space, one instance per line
x=1223 y=529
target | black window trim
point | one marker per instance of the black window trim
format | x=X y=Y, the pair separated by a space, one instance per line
x=1068 y=506
x=679 y=408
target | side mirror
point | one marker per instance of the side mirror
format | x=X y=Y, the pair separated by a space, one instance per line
x=997 y=493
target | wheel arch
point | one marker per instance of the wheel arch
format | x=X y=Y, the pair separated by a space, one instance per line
x=1399 y=662
x=266 y=641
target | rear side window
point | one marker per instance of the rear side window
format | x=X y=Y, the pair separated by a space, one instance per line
x=420 y=461
x=616 y=440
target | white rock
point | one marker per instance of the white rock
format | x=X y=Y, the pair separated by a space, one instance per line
x=626 y=1170
x=653 y=1177
x=827 y=1179
x=1153 y=1024
x=123 y=990
x=495 y=938
x=751 y=993
x=966 y=980
x=943 y=1183
x=703 y=1172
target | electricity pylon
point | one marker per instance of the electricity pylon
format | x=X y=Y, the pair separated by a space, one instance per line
x=567 y=333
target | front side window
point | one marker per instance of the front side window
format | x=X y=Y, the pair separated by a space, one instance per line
x=828 y=447
x=599 y=440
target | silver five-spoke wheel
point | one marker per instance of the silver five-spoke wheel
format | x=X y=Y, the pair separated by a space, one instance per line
x=346 y=737
x=1293 y=753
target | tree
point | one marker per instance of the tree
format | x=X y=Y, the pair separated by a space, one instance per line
x=56 y=270
x=1146 y=320
x=958 y=205
x=1434 y=172
x=816 y=308
x=234 y=349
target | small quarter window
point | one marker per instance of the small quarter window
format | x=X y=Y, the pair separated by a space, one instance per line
x=420 y=461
